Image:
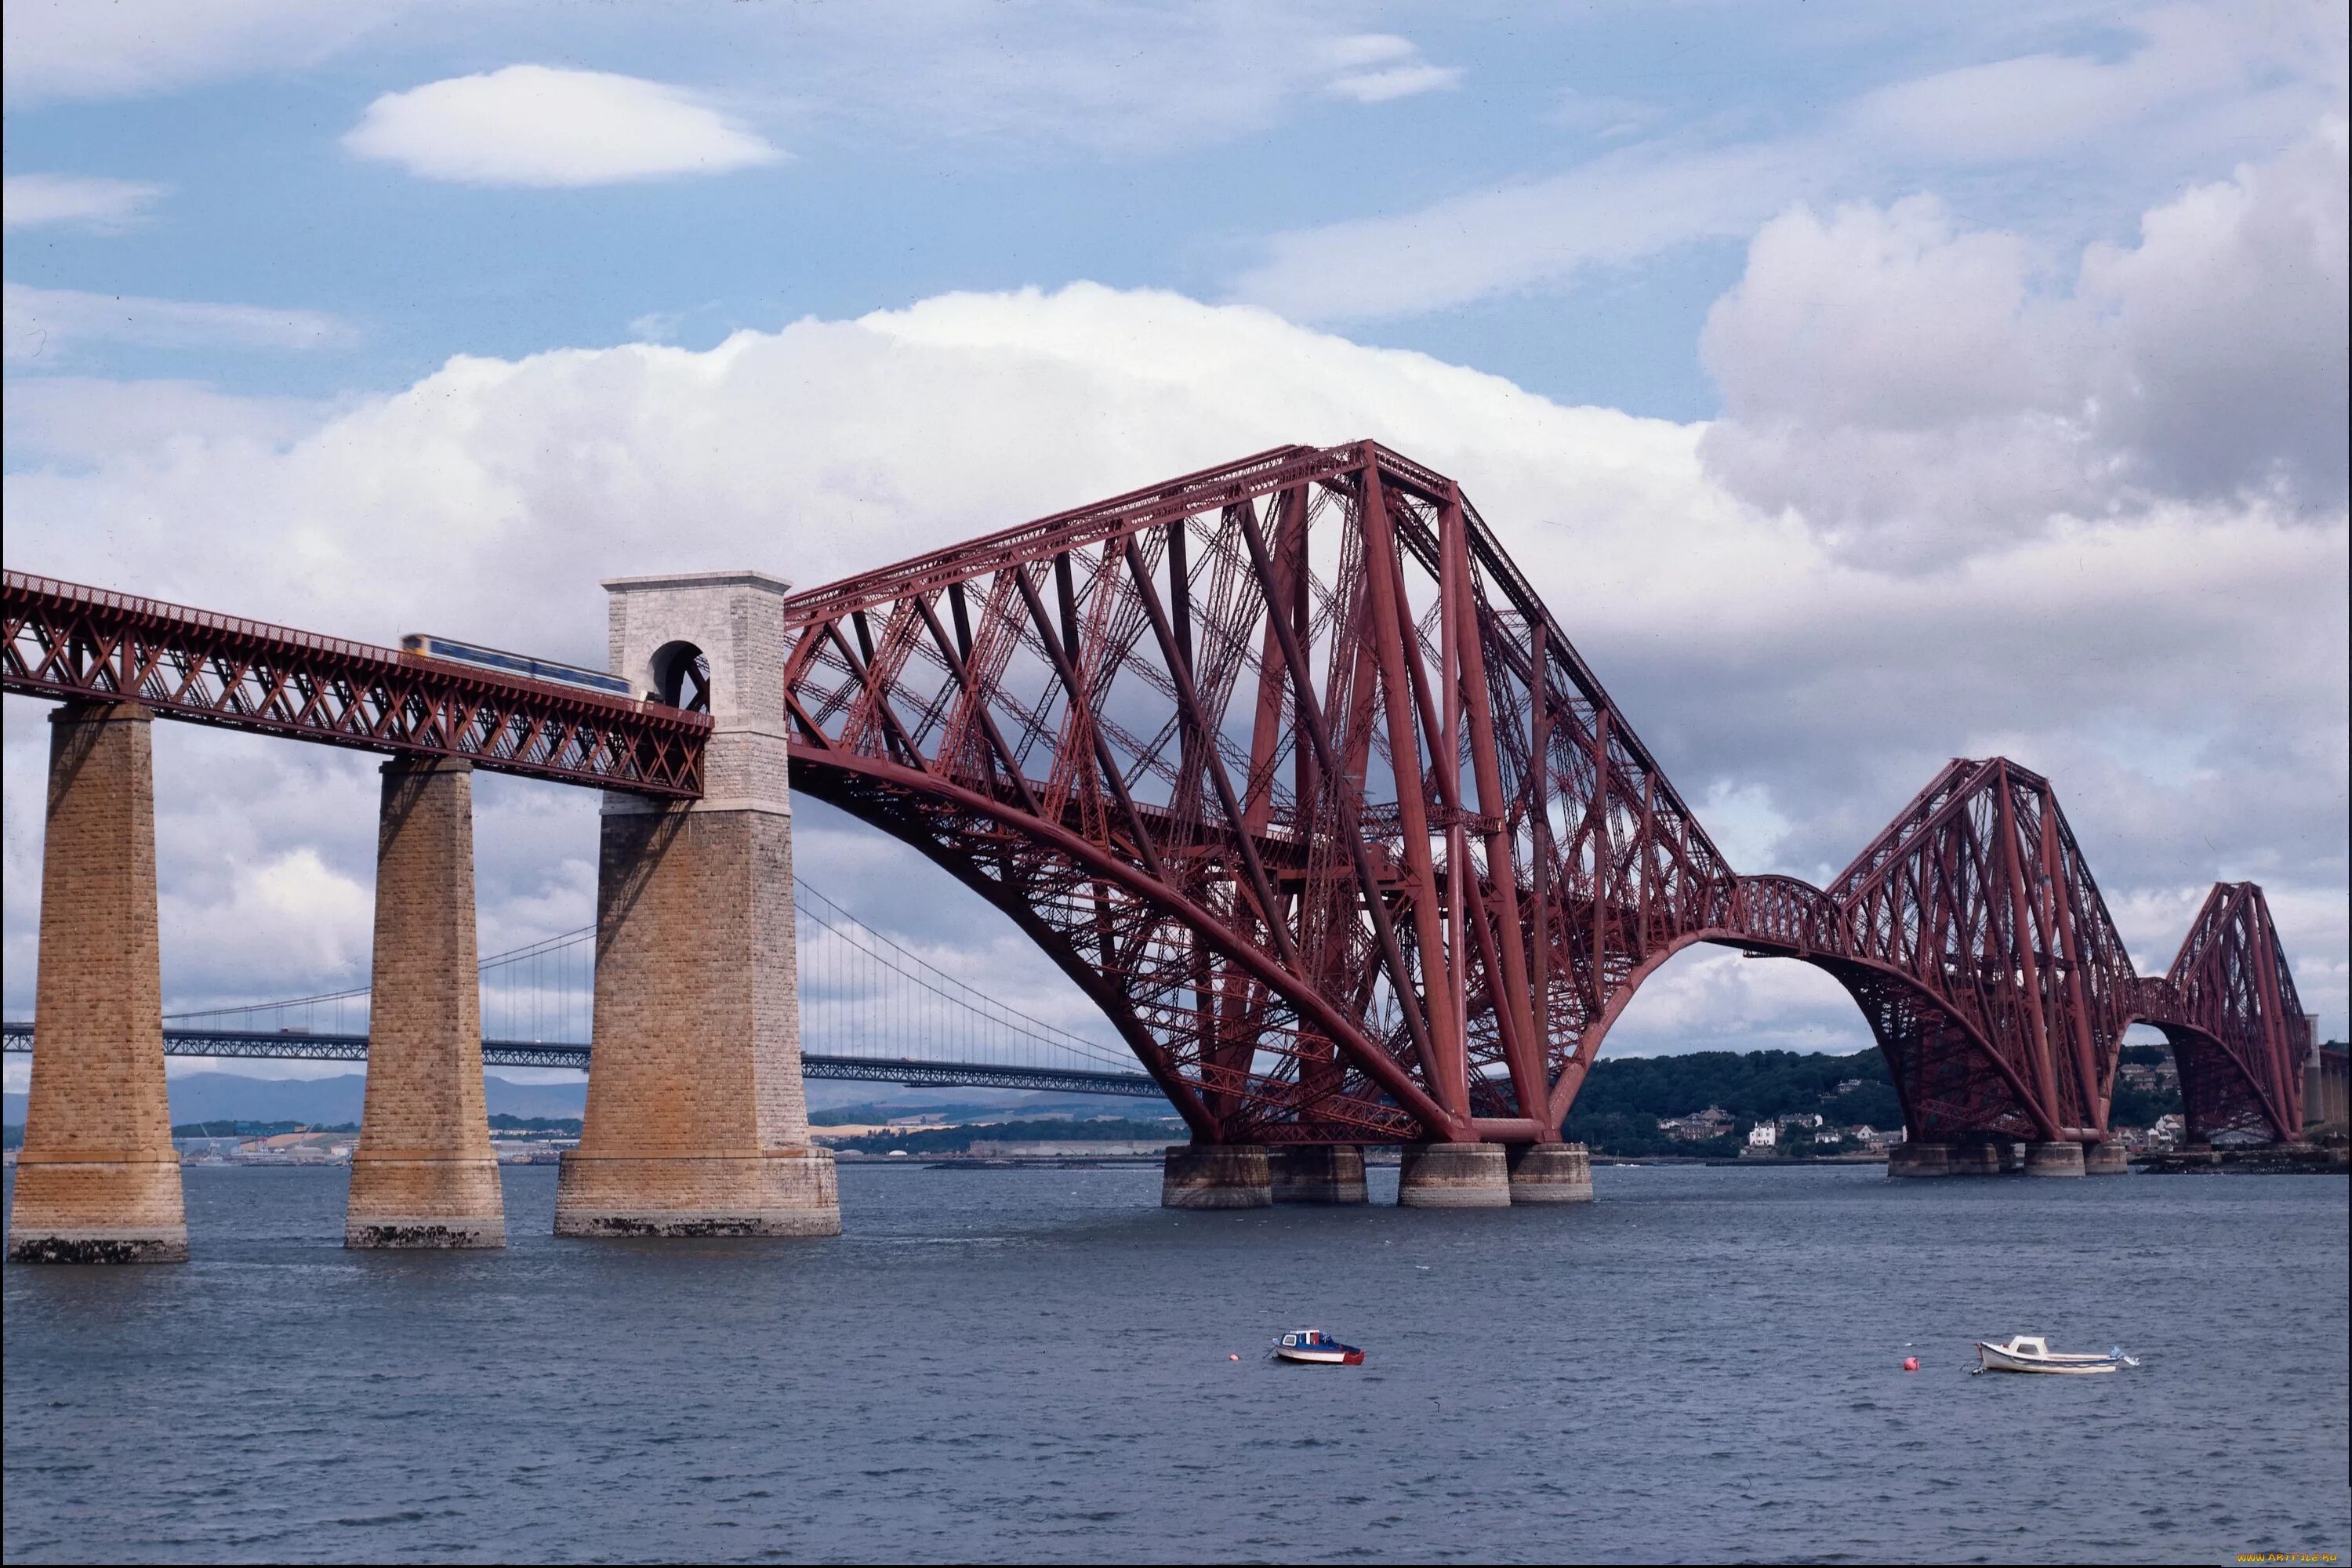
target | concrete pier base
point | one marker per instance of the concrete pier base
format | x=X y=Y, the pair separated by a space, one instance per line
x=2053 y=1159
x=1550 y=1174
x=1975 y=1159
x=98 y=1179
x=1217 y=1176
x=1919 y=1159
x=1453 y=1176
x=1317 y=1173
x=696 y=1120
x=424 y=1174
x=2105 y=1160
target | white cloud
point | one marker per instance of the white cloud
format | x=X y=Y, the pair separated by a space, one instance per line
x=1377 y=66
x=1802 y=688
x=76 y=419
x=1906 y=384
x=42 y=200
x=2236 y=79
x=1615 y=208
x=1402 y=82
x=127 y=46
x=43 y=326
x=538 y=125
x=2284 y=57
x=656 y=326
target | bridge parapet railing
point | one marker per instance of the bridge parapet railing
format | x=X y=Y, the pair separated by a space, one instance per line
x=69 y=642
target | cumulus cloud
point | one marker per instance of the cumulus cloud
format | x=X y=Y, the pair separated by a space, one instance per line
x=2176 y=664
x=44 y=201
x=538 y=125
x=43 y=326
x=1909 y=385
x=72 y=420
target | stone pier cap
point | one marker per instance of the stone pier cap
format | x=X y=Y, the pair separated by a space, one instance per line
x=713 y=641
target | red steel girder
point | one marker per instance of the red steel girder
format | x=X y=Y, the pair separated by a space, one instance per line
x=1286 y=764
x=1335 y=778
x=66 y=641
x=2229 y=1007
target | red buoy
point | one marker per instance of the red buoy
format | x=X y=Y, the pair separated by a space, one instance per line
x=1910 y=1363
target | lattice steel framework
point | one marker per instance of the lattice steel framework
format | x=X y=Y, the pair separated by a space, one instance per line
x=1287 y=767
x=1284 y=763
x=63 y=640
x=2238 y=1031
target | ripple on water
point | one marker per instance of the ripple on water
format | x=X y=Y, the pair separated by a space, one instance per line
x=1016 y=1365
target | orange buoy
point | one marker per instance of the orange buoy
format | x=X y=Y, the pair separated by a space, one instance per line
x=1910 y=1363
x=1232 y=1358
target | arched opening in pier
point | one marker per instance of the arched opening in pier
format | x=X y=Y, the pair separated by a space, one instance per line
x=681 y=674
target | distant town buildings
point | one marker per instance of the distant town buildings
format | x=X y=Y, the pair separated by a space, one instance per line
x=1713 y=1122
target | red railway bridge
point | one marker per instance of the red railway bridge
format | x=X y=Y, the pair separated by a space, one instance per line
x=1286 y=765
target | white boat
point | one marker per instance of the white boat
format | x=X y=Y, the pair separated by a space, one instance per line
x=2028 y=1353
x=1317 y=1347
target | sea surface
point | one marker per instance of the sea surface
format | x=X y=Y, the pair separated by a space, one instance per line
x=1027 y=1364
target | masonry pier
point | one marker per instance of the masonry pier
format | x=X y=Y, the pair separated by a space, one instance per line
x=1317 y=1173
x=2061 y=1159
x=1453 y=1176
x=98 y=1179
x=1919 y=1159
x=424 y=1173
x=1216 y=1177
x=1550 y=1174
x=2105 y=1160
x=697 y=1122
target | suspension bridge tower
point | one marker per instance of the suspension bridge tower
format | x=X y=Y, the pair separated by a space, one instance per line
x=697 y=1122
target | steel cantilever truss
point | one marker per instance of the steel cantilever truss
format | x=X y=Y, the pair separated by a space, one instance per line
x=2238 y=1031
x=1285 y=764
x=1287 y=767
x=63 y=640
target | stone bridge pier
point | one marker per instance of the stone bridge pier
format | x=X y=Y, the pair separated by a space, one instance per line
x=98 y=1179
x=424 y=1174
x=697 y=1122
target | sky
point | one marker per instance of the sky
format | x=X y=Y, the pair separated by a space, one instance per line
x=1861 y=386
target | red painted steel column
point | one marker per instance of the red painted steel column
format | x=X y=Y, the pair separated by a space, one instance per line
x=2078 y=1009
x=2285 y=1091
x=1391 y=617
x=2045 y=1112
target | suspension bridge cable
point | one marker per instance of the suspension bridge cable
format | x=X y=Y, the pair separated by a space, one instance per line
x=932 y=1010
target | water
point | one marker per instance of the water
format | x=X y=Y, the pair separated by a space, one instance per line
x=1032 y=1364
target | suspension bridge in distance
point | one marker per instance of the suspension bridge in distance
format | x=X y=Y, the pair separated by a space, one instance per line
x=910 y=1072
x=861 y=990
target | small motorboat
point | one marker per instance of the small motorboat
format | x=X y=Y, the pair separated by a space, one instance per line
x=1317 y=1347
x=2028 y=1353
